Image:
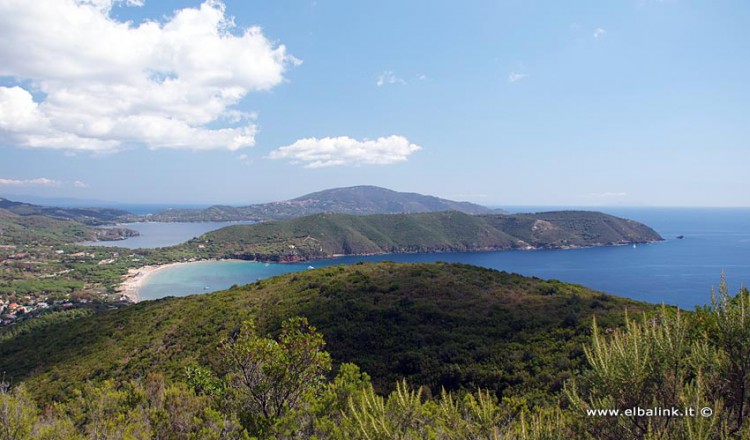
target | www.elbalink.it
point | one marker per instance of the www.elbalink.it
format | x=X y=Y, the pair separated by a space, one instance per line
x=670 y=411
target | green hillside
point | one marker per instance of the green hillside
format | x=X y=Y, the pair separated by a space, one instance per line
x=18 y=229
x=327 y=235
x=440 y=325
x=88 y=216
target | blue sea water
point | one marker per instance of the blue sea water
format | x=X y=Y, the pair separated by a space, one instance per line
x=154 y=235
x=678 y=272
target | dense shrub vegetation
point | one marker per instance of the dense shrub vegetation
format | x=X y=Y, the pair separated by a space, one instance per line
x=438 y=325
x=276 y=388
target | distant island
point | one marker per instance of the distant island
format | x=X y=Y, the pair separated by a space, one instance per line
x=330 y=235
x=355 y=200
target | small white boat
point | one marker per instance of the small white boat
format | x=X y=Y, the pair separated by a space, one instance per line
x=310 y=267
x=634 y=246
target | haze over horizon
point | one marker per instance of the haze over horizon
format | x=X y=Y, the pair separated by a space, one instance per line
x=626 y=103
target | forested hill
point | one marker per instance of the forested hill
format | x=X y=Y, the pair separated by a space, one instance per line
x=440 y=325
x=356 y=200
x=36 y=230
x=327 y=235
x=87 y=216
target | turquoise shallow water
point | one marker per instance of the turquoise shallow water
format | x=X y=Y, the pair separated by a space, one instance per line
x=679 y=272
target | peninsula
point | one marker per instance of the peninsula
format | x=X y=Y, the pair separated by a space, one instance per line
x=331 y=235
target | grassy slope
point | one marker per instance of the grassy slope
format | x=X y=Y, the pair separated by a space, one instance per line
x=325 y=235
x=437 y=324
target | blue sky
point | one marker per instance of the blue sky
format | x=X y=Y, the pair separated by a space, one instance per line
x=632 y=102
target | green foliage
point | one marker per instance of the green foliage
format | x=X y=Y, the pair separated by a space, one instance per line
x=132 y=410
x=17 y=414
x=669 y=361
x=43 y=230
x=273 y=388
x=47 y=285
x=727 y=328
x=438 y=325
x=645 y=365
x=326 y=235
x=42 y=321
x=270 y=378
x=203 y=381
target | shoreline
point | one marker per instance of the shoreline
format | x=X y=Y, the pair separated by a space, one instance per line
x=134 y=280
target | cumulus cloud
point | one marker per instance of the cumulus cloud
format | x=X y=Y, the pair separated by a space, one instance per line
x=343 y=150
x=599 y=33
x=40 y=181
x=85 y=81
x=80 y=184
x=513 y=77
x=387 y=78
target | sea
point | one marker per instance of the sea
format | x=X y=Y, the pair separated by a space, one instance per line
x=161 y=234
x=679 y=272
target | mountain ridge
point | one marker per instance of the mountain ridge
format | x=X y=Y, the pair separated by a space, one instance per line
x=354 y=200
x=86 y=216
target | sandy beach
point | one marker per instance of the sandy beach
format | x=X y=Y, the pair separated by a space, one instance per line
x=137 y=277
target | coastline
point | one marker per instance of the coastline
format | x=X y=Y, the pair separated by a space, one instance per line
x=134 y=280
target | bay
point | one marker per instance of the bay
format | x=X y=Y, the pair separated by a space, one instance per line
x=161 y=234
x=676 y=271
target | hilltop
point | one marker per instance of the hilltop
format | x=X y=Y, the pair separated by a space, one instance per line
x=33 y=229
x=87 y=216
x=438 y=324
x=355 y=200
x=328 y=235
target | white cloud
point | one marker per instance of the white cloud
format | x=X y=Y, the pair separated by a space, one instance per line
x=79 y=184
x=86 y=81
x=388 y=77
x=343 y=150
x=40 y=181
x=513 y=77
x=599 y=33
x=421 y=77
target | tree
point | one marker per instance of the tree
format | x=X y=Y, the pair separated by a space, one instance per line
x=18 y=414
x=269 y=377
